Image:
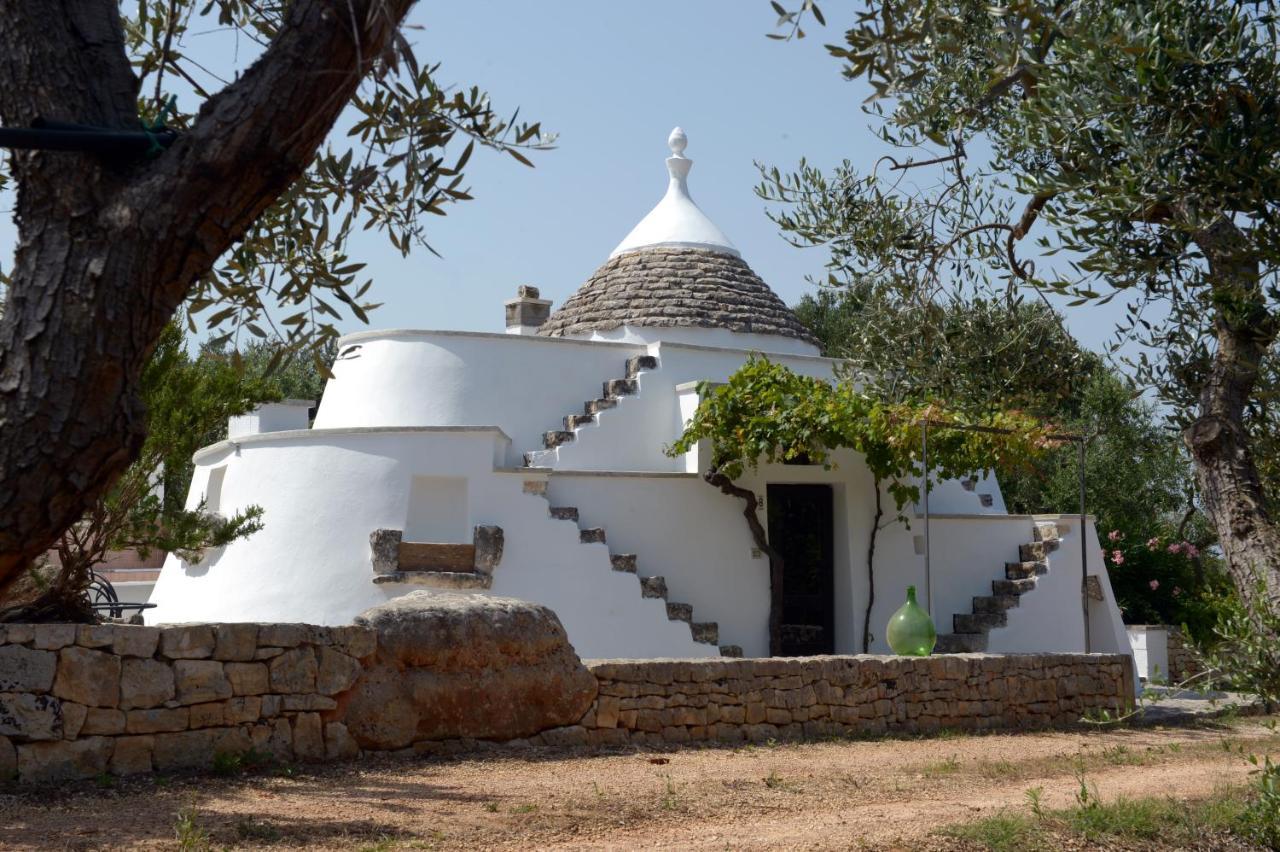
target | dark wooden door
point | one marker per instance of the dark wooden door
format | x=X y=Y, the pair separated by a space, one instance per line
x=801 y=528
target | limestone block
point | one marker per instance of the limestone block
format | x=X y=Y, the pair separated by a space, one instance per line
x=187 y=642
x=308 y=737
x=607 y=707
x=337 y=672
x=136 y=641
x=356 y=641
x=566 y=736
x=67 y=760
x=8 y=761
x=73 y=716
x=199 y=681
x=17 y=634
x=271 y=706
x=26 y=670
x=294 y=703
x=294 y=671
x=132 y=755
x=206 y=715
x=248 y=678
x=52 y=637
x=197 y=749
x=88 y=677
x=282 y=635
x=102 y=721
x=246 y=708
x=95 y=635
x=264 y=653
x=466 y=665
x=157 y=720
x=338 y=742
x=25 y=716
x=145 y=683
x=235 y=641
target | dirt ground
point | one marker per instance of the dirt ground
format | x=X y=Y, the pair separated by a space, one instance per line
x=886 y=794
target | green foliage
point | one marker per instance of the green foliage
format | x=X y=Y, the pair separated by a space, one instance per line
x=1246 y=653
x=767 y=413
x=187 y=400
x=396 y=160
x=1141 y=135
x=1260 y=821
x=982 y=352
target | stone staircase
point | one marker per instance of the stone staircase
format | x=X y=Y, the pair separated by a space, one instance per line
x=704 y=632
x=991 y=611
x=613 y=391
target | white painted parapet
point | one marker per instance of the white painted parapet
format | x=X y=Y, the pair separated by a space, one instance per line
x=272 y=417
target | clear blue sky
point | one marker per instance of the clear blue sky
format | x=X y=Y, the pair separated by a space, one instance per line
x=613 y=79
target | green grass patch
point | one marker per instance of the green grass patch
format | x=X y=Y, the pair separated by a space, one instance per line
x=1169 y=822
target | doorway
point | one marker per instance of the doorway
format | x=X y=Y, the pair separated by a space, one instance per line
x=801 y=529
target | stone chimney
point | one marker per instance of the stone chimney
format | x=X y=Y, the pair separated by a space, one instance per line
x=527 y=311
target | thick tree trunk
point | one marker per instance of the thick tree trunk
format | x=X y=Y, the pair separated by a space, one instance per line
x=108 y=250
x=1229 y=482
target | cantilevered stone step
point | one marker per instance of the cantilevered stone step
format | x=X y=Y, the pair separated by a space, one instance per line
x=995 y=603
x=653 y=587
x=555 y=438
x=591 y=535
x=1012 y=587
x=574 y=421
x=565 y=513
x=961 y=643
x=623 y=562
x=640 y=362
x=615 y=388
x=680 y=612
x=706 y=632
x=1036 y=551
x=731 y=650
x=1023 y=570
x=436 y=579
x=1047 y=531
x=978 y=622
x=595 y=406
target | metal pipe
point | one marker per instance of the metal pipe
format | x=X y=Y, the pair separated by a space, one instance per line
x=1084 y=555
x=924 y=485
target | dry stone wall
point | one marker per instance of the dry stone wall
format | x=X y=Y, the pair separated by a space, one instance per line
x=78 y=701
x=657 y=702
x=81 y=701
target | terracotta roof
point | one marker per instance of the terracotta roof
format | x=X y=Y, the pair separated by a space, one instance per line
x=669 y=286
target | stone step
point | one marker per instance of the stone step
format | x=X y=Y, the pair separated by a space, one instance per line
x=595 y=406
x=575 y=421
x=986 y=500
x=615 y=388
x=623 y=562
x=1047 y=531
x=640 y=362
x=591 y=535
x=961 y=643
x=995 y=603
x=680 y=611
x=731 y=650
x=1036 y=551
x=706 y=632
x=534 y=486
x=1023 y=570
x=565 y=513
x=978 y=622
x=555 y=438
x=436 y=579
x=653 y=587
x=1012 y=587
x=529 y=460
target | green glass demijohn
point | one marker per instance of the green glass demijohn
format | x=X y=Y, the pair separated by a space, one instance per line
x=910 y=631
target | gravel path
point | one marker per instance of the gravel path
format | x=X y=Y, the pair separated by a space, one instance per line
x=887 y=794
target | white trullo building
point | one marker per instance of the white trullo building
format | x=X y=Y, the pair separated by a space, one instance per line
x=531 y=464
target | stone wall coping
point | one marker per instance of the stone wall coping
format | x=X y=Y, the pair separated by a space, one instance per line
x=358 y=336
x=345 y=431
x=617 y=474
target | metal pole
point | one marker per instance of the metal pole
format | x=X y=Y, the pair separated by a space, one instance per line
x=924 y=485
x=1084 y=555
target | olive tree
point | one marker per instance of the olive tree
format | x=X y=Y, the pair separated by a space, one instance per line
x=1131 y=147
x=243 y=213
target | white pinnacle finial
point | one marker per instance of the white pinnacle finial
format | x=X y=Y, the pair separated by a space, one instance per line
x=677 y=142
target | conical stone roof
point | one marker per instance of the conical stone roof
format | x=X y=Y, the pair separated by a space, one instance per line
x=669 y=286
x=675 y=269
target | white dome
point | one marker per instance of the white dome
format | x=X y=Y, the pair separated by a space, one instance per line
x=677 y=221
